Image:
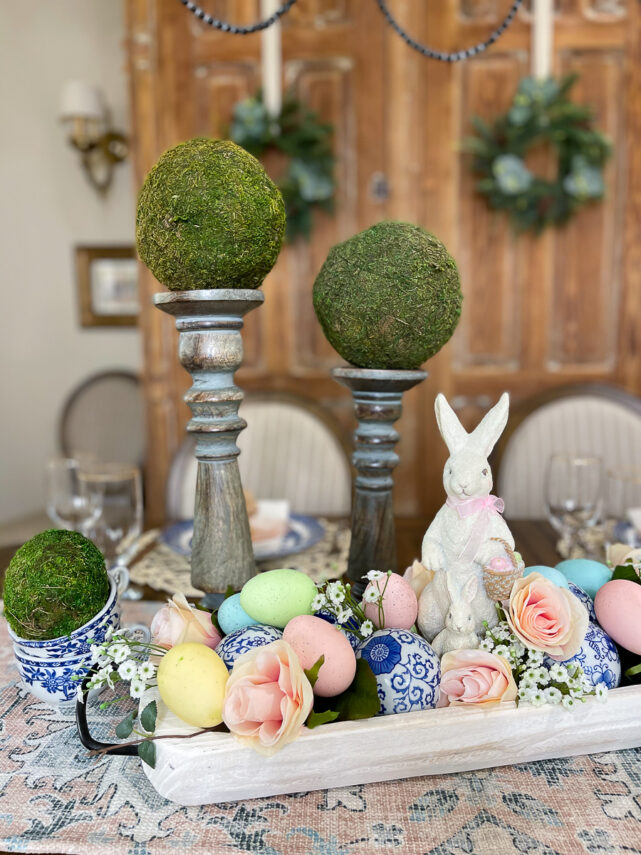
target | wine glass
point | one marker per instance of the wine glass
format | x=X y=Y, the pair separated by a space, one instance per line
x=573 y=493
x=68 y=504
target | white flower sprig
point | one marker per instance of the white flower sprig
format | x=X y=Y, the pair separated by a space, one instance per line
x=337 y=599
x=539 y=683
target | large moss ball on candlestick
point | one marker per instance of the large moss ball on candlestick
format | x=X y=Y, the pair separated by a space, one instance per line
x=209 y=216
x=389 y=297
x=55 y=583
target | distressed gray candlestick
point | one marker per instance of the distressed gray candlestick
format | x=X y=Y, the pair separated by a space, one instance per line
x=211 y=349
x=377 y=397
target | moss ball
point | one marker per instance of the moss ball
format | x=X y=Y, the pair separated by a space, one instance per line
x=55 y=583
x=209 y=216
x=389 y=297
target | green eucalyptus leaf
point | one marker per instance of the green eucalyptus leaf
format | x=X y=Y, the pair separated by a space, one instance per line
x=147 y=753
x=148 y=717
x=359 y=700
x=124 y=728
x=316 y=718
x=312 y=673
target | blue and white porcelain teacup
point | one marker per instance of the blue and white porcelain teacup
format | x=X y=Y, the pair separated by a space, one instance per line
x=78 y=642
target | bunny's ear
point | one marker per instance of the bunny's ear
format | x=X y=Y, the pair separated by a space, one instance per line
x=485 y=435
x=470 y=589
x=451 y=429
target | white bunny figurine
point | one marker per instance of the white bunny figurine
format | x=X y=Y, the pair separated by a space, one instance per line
x=460 y=538
x=459 y=632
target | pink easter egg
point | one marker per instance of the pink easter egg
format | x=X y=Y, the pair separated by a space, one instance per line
x=618 y=609
x=400 y=605
x=312 y=637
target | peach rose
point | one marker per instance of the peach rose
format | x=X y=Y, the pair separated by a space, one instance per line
x=268 y=697
x=178 y=621
x=476 y=677
x=546 y=617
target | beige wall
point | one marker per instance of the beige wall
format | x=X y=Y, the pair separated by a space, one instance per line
x=46 y=207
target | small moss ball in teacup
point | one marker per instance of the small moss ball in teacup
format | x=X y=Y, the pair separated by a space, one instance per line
x=389 y=297
x=209 y=216
x=56 y=582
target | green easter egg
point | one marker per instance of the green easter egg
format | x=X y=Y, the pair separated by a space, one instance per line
x=277 y=596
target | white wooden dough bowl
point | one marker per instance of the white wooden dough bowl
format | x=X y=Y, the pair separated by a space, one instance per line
x=213 y=767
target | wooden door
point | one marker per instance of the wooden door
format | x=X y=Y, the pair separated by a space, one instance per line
x=538 y=312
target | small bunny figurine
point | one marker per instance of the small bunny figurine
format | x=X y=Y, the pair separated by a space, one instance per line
x=460 y=538
x=459 y=632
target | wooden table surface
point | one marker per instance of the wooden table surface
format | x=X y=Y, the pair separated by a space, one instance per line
x=535 y=540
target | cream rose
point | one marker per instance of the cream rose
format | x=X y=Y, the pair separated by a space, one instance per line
x=178 y=622
x=476 y=677
x=546 y=617
x=267 y=698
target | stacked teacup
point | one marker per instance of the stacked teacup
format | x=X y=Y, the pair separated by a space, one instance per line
x=53 y=668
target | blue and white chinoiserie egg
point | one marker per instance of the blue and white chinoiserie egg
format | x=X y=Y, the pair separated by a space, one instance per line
x=242 y=640
x=407 y=670
x=586 y=599
x=598 y=657
x=353 y=639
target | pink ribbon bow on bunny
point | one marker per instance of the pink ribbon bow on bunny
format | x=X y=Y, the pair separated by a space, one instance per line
x=467 y=507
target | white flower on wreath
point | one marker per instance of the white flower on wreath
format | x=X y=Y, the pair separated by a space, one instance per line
x=367 y=628
x=373 y=575
x=146 y=671
x=335 y=593
x=371 y=595
x=343 y=615
x=128 y=670
x=319 y=601
x=137 y=688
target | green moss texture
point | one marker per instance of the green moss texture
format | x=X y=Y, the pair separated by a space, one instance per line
x=55 y=583
x=209 y=216
x=389 y=297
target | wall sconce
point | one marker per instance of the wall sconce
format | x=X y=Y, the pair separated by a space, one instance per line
x=82 y=110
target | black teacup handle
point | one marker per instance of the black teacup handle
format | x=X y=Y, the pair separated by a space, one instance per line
x=83 y=728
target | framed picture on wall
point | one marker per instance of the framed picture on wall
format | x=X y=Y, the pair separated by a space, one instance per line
x=107 y=279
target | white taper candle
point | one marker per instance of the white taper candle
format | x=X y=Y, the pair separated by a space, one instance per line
x=542 y=38
x=271 y=60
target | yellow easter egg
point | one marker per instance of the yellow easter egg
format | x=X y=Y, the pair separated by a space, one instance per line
x=191 y=681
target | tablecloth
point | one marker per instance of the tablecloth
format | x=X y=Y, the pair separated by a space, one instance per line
x=55 y=799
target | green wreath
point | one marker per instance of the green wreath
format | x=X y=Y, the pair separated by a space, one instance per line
x=308 y=181
x=540 y=112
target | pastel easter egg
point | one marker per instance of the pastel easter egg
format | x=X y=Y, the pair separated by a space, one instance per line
x=351 y=636
x=277 y=596
x=618 y=608
x=598 y=657
x=191 y=681
x=232 y=616
x=242 y=640
x=312 y=637
x=550 y=573
x=587 y=574
x=399 y=605
x=587 y=601
x=407 y=670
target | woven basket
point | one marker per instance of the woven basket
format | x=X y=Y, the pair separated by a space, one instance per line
x=498 y=586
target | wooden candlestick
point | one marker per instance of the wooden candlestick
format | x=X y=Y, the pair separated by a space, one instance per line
x=377 y=405
x=211 y=349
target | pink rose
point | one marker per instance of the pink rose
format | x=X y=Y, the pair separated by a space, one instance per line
x=546 y=617
x=268 y=697
x=476 y=677
x=178 y=621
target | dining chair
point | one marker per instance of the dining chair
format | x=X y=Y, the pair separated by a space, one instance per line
x=292 y=448
x=104 y=418
x=588 y=418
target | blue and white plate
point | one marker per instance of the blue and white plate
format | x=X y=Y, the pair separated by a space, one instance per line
x=302 y=533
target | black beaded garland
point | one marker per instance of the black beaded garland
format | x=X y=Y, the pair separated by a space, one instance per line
x=232 y=28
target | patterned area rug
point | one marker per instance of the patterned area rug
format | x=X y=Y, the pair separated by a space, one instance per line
x=55 y=799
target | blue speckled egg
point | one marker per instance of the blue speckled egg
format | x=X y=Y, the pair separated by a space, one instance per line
x=587 y=574
x=242 y=640
x=232 y=616
x=353 y=639
x=407 y=670
x=598 y=657
x=587 y=601
x=550 y=573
